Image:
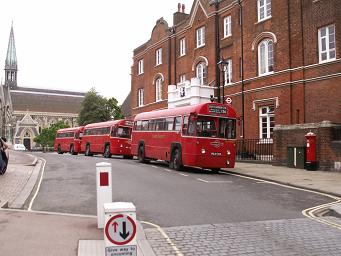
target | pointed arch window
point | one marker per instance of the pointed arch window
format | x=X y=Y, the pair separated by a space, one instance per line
x=158 y=89
x=201 y=72
x=265 y=57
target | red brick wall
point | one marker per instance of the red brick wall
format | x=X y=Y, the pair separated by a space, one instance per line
x=305 y=94
x=294 y=136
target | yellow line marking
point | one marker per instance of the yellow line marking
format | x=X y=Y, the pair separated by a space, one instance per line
x=37 y=190
x=163 y=233
x=310 y=212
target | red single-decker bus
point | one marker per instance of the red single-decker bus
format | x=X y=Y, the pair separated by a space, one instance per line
x=201 y=135
x=69 y=140
x=108 y=138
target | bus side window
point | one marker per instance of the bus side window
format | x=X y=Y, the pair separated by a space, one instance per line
x=169 y=123
x=177 y=123
x=145 y=125
x=113 y=132
x=185 y=125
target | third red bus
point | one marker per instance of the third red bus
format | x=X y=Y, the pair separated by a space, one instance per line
x=69 y=140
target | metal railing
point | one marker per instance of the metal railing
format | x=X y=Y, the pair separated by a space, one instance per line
x=254 y=149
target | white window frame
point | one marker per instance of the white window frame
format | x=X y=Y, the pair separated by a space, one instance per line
x=228 y=72
x=140 y=67
x=263 y=9
x=140 y=97
x=270 y=112
x=227 y=26
x=182 y=78
x=265 y=57
x=329 y=40
x=158 y=57
x=201 y=72
x=200 y=37
x=182 y=47
x=158 y=89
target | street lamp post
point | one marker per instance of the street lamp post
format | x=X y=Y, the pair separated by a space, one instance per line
x=223 y=65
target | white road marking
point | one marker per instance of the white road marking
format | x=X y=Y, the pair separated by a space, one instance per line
x=214 y=181
x=167 y=170
x=38 y=187
x=310 y=212
x=186 y=175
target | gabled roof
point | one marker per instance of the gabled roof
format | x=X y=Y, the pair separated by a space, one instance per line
x=43 y=100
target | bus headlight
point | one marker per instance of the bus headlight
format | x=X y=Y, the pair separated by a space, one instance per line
x=228 y=162
x=228 y=152
x=203 y=151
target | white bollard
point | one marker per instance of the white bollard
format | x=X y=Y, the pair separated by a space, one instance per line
x=104 y=190
x=120 y=229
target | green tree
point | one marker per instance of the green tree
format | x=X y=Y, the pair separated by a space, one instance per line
x=47 y=135
x=96 y=108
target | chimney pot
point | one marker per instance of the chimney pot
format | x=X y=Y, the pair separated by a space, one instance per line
x=179 y=7
x=183 y=8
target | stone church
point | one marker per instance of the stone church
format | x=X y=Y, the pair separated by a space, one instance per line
x=26 y=111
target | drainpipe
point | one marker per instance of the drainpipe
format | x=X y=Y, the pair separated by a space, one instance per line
x=303 y=61
x=242 y=64
x=217 y=45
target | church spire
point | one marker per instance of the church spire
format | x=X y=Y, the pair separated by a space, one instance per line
x=11 y=67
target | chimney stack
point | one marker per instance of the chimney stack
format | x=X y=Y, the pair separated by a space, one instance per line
x=180 y=15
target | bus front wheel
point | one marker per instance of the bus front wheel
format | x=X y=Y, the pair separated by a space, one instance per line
x=107 y=151
x=176 y=162
x=72 y=150
x=59 y=150
x=141 y=155
x=87 y=150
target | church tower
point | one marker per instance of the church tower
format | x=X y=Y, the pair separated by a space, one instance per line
x=11 y=67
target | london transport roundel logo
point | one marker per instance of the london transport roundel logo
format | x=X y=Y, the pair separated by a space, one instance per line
x=228 y=100
x=120 y=229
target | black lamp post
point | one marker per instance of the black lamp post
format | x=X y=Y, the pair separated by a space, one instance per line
x=223 y=65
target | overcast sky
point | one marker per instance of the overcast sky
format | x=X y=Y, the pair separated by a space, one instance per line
x=79 y=44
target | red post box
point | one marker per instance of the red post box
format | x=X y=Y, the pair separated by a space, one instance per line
x=311 y=162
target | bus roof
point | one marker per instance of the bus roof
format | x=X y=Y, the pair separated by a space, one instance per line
x=211 y=108
x=70 y=129
x=110 y=123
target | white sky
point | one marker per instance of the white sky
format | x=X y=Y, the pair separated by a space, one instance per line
x=79 y=44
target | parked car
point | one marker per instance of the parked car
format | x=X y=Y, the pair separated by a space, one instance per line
x=20 y=147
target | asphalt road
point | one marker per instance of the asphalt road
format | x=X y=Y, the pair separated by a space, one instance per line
x=166 y=197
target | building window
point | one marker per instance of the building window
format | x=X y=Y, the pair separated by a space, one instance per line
x=201 y=72
x=140 y=97
x=200 y=37
x=182 y=78
x=140 y=67
x=264 y=9
x=266 y=122
x=158 y=56
x=228 y=72
x=327 y=44
x=158 y=89
x=182 y=47
x=265 y=57
x=227 y=26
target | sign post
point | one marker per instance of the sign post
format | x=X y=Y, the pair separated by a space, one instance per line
x=104 y=190
x=120 y=229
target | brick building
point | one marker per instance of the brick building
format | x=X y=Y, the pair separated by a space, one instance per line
x=282 y=63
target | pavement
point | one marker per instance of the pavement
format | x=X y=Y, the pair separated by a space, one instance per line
x=43 y=233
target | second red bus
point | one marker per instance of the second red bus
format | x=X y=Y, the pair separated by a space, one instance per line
x=108 y=138
x=69 y=140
